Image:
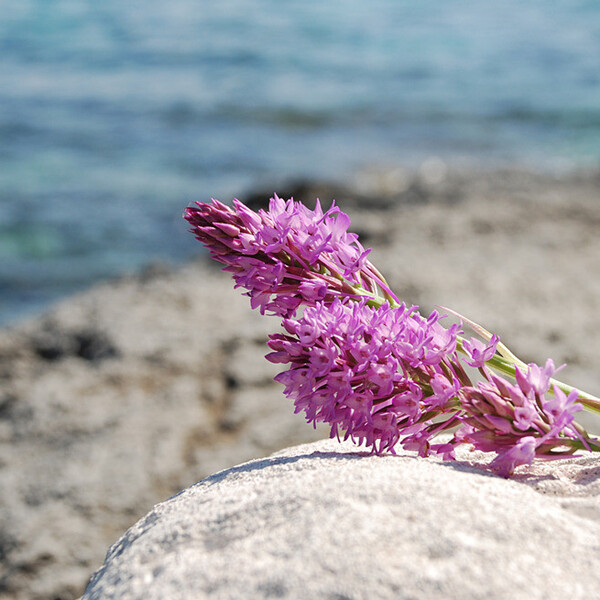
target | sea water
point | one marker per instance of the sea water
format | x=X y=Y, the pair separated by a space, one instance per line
x=114 y=115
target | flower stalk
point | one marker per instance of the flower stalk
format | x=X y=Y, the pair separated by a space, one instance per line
x=376 y=371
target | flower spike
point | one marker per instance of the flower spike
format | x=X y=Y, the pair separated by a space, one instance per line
x=288 y=256
x=373 y=369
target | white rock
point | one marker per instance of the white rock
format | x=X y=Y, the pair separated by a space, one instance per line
x=326 y=520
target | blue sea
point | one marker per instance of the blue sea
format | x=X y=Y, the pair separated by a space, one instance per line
x=114 y=115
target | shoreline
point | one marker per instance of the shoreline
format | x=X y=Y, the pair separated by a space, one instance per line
x=370 y=187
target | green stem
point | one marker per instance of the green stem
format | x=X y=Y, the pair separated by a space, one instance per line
x=375 y=300
x=589 y=445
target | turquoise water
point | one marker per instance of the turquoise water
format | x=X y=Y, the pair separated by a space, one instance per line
x=115 y=115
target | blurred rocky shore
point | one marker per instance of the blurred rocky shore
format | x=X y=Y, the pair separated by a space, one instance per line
x=120 y=397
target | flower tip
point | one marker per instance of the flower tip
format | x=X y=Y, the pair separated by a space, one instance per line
x=278 y=357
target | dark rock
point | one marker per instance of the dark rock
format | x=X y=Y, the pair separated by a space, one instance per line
x=94 y=345
x=307 y=192
x=54 y=343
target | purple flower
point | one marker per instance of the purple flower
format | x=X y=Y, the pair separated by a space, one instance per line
x=519 y=421
x=538 y=378
x=375 y=375
x=478 y=352
x=522 y=453
x=287 y=256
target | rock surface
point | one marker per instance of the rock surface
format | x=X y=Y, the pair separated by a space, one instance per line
x=122 y=396
x=326 y=520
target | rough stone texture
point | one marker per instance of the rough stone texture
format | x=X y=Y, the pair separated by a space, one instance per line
x=122 y=396
x=328 y=521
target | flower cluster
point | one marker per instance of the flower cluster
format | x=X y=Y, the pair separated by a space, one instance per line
x=375 y=370
x=520 y=421
x=287 y=256
x=373 y=374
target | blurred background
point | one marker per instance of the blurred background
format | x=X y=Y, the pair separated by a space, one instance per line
x=483 y=118
x=115 y=115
